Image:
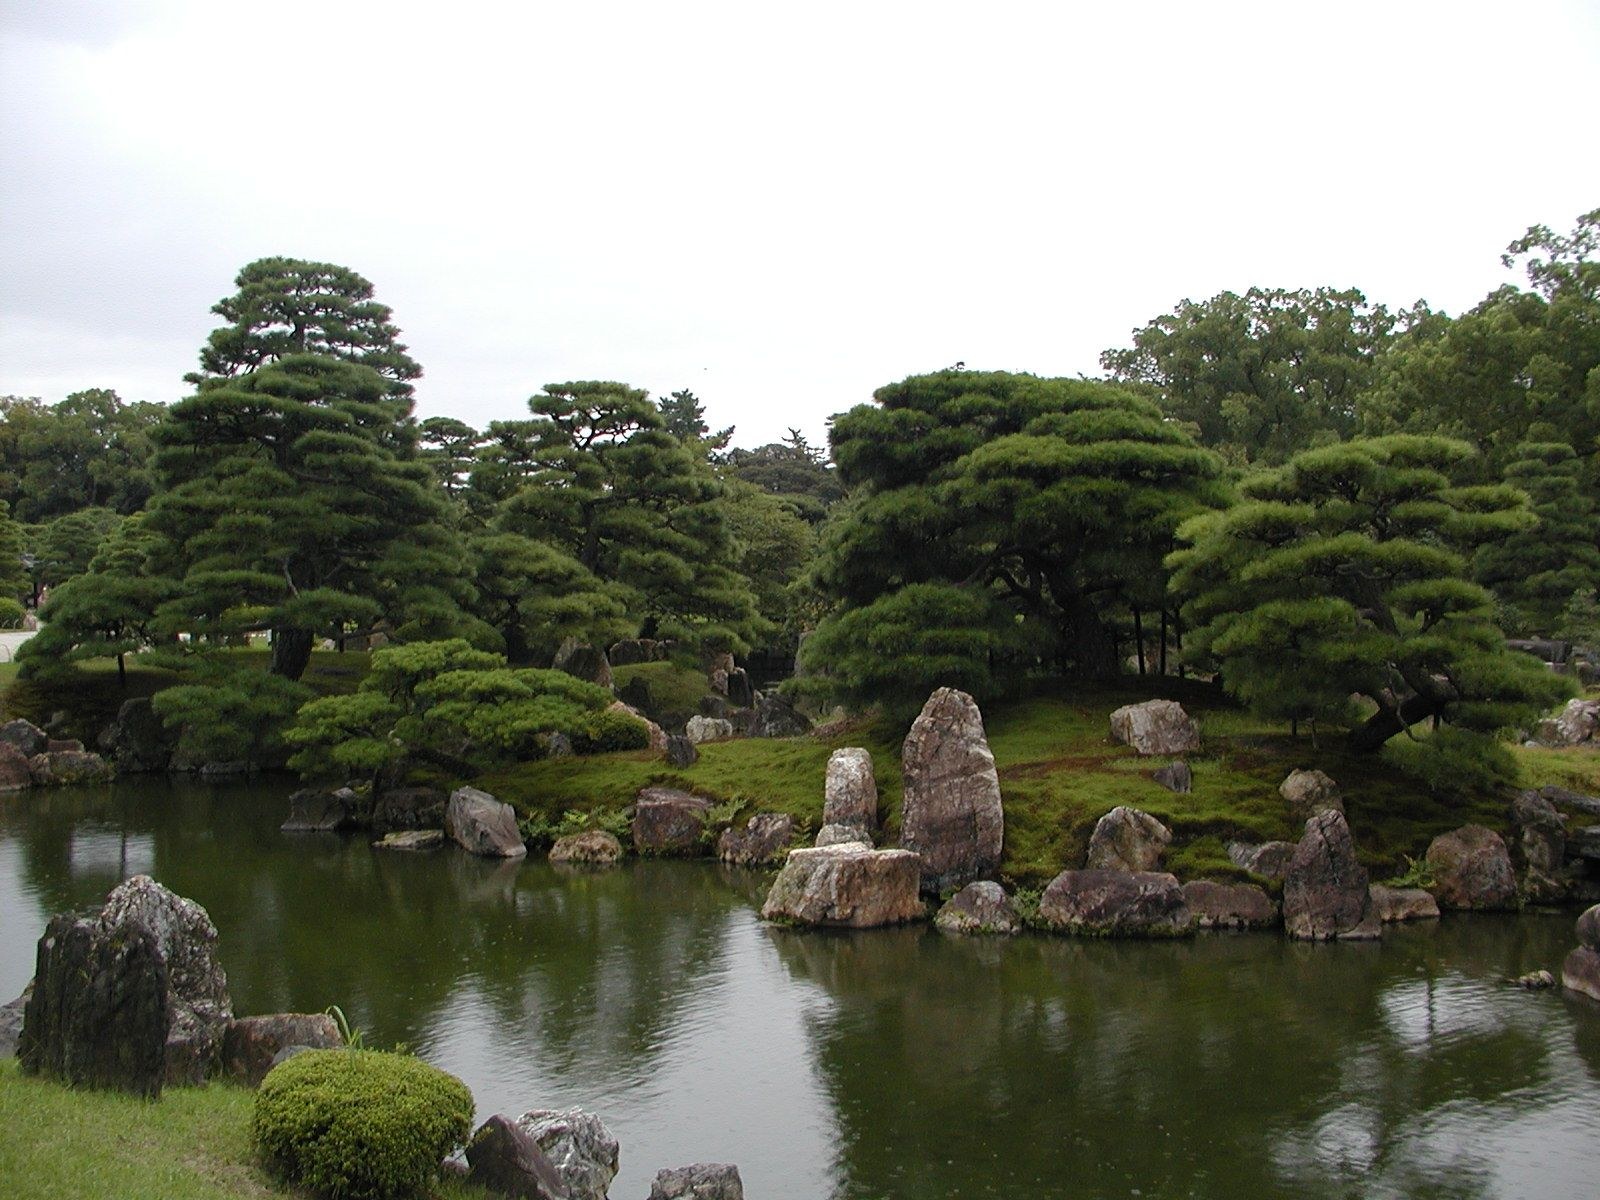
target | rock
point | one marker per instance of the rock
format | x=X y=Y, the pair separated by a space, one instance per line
x=669 y=821
x=15 y=773
x=137 y=740
x=1544 y=649
x=848 y=884
x=592 y=847
x=99 y=1012
x=764 y=839
x=1102 y=903
x=25 y=736
x=288 y=1052
x=198 y=1004
x=578 y=1145
x=838 y=835
x=504 y=1160
x=63 y=746
x=1574 y=725
x=655 y=736
x=1389 y=905
x=583 y=661
x=681 y=752
x=11 y=1022
x=229 y=769
x=1581 y=972
x=1472 y=869
x=558 y=745
x=482 y=825
x=707 y=729
x=698 y=1181
x=1585 y=843
x=714 y=706
x=1589 y=928
x=409 y=808
x=411 y=839
x=1542 y=841
x=951 y=815
x=717 y=681
x=1270 y=860
x=981 y=907
x=630 y=651
x=1325 y=887
x=1536 y=980
x=635 y=693
x=1175 y=777
x=740 y=693
x=1229 y=905
x=1567 y=798
x=251 y=1045
x=774 y=717
x=1126 y=839
x=68 y=766
x=315 y=810
x=1155 y=727
x=850 y=793
x=1308 y=793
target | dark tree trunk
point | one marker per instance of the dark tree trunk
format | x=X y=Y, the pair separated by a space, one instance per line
x=291 y=651
x=1089 y=641
x=1163 y=639
x=122 y=671
x=1385 y=723
x=1138 y=637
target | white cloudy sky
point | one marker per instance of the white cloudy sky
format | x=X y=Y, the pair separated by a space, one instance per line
x=780 y=207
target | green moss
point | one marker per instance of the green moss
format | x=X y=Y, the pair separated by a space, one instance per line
x=675 y=687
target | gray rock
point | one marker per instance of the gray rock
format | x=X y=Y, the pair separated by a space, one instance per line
x=771 y=716
x=409 y=808
x=1472 y=869
x=15 y=773
x=1309 y=792
x=592 y=847
x=411 y=839
x=1325 y=887
x=850 y=792
x=707 y=729
x=1567 y=798
x=504 y=1160
x=1589 y=928
x=482 y=825
x=635 y=693
x=558 y=745
x=669 y=821
x=1126 y=839
x=1229 y=905
x=698 y=1181
x=316 y=810
x=849 y=885
x=1116 y=904
x=583 y=661
x=137 y=739
x=1389 y=905
x=838 y=835
x=981 y=907
x=1575 y=725
x=740 y=693
x=578 y=1145
x=951 y=815
x=55 y=767
x=681 y=752
x=715 y=706
x=1270 y=860
x=1155 y=727
x=1581 y=972
x=763 y=839
x=1175 y=777
x=11 y=1022
x=630 y=651
x=1584 y=843
x=25 y=736
x=1536 y=980
x=1542 y=842
x=251 y=1045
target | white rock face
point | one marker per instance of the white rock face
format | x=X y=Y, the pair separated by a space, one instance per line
x=850 y=794
x=482 y=825
x=707 y=729
x=849 y=884
x=1155 y=727
x=951 y=815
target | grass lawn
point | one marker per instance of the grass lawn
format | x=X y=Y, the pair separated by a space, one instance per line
x=57 y=1143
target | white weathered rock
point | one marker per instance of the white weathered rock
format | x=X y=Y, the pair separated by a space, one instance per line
x=578 y=1145
x=951 y=815
x=482 y=825
x=838 y=835
x=698 y=1181
x=1577 y=724
x=850 y=885
x=1155 y=727
x=707 y=729
x=850 y=792
x=1126 y=839
x=1310 y=792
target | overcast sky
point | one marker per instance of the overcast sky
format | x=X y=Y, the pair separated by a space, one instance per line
x=779 y=207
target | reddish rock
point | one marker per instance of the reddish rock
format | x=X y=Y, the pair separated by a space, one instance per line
x=668 y=821
x=1581 y=972
x=15 y=774
x=1472 y=869
x=482 y=825
x=1116 y=904
x=1325 y=887
x=250 y=1045
x=951 y=815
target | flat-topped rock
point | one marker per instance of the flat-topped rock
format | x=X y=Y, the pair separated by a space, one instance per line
x=1126 y=839
x=592 y=847
x=482 y=825
x=698 y=1181
x=411 y=839
x=669 y=821
x=1155 y=727
x=1389 y=905
x=1229 y=905
x=57 y=767
x=850 y=885
x=319 y=810
x=1116 y=904
x=951 y=815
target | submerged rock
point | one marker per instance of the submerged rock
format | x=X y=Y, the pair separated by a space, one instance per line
x=763 y=839
x=1155 y=727
x=1229 y=905
x=578 y=1145
x=482 y=825
x=981 y=907
x=669 y=821
x=1116 y=904
x=1389 y=905
x=1325 y=887
x=1126 y=839
x=411 y=839
x=951 y=815
x=698 y=1181
x=1472 y=869
x=849 y=884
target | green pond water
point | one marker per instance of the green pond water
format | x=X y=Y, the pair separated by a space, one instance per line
x=896 y=1063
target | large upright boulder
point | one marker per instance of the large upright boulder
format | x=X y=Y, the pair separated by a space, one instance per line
x=318 y=810
x=577 y=1143
x=1325 y=887
x=583 y=661
x=1155 y=727
x=669 y=821
x=15 y=773
x=849 y=884
x=503 y=1160
x=951 y=815
x=1472 y=869
x=1577 y=724
x=1542 y=841
x=1116 y=904
x=850 y=793
x=482 y=825
x=1126 y=839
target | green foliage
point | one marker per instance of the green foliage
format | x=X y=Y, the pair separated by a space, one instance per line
x=89 y=451
x=607 y=730
x=540 y=831
x=12 y=613
x=1418 y=874
x=1454 y=762
x=534 y=595
x=13 y=576
x=675 y=687
x=64 y=547
x=791 y=470
x=230 y=712
x=1580 y=620
x=360 y=1124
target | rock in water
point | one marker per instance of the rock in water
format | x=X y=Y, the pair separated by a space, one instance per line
x=669 y=821
x=409 y=808
x=504 y=1160
x=27 y=737
x=313 y=810
x=1229 y=905
x=1310 y=792
x=1325 y=887
x=578 y=1145
x=698 y=1181
x=251 y=1045
x=137 y=739
x=951 y=815
x=15 y=773
x=592 y=847
x=1126 y=839
x=411 y=839
x=981 y=907
x=1175 y=777
x=1155 y=727
x=1116 y=904
x=763 y=839
x=482 y=825
x=850 y=793
x=1581 y=972
x=1472 y=868
x=1389 y=904
x=68 y=766
x=849 y=884
x=1589 y=928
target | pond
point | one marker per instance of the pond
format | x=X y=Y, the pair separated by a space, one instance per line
x=896 y=1063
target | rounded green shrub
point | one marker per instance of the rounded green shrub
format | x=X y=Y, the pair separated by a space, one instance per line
x=12 y=613
x=360 y=1124
x=611 y=730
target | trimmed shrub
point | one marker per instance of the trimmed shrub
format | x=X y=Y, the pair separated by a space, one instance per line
x=12 y=613
x=360 y=1124
x=608 y=730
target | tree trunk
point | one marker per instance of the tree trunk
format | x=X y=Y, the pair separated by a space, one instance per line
x=1138 y=638
x=1385 y=723
x=1163 y=639
x=291 y=651
x=1090 y=642
x=122 y=672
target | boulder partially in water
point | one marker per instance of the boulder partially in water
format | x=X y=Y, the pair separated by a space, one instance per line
x=1389 y=905
x=849 y=885
x=318 y=810
x=1542 y=842
x=763 y=839
x=56 y=767
x=1101 y=903
x=669 y=821
x=482 y=825
x=951 y=815
x=1581 y=972
x=1325 y=887
x=1472 y=869
x=15 y=773
x=579 y=1146
x=981 y=907
x=504 y=1160
x=698 y=1181
x=1229 y=905
x=592 y=847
